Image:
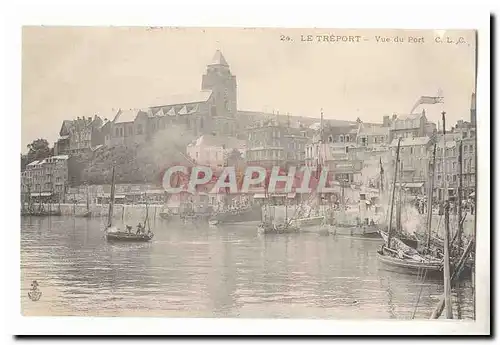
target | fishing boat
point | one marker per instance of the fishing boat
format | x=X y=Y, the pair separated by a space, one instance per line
x=395 y=255
x=269 y=226
x=114 y=234
x=275 y=229
x=250 y=213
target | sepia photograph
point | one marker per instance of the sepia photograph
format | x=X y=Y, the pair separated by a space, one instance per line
x=249 y=173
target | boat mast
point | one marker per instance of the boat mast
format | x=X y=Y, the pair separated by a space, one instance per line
x=460 y=222
x=381 y=177
x=389 y=235
x=432 y=166
x=446 y=273
x=112 y=198
x=320 y=155
x=400 y=199
x=88 y=201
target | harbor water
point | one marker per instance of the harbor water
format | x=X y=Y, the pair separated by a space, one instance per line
x=200 y=271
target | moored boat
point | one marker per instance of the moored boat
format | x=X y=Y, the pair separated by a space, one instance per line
x=123 y=236
x=269 y=228
x=113 y=234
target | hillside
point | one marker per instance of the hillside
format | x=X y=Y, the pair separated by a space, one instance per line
x=133 y=164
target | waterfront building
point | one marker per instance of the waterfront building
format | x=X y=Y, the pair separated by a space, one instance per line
x=271 y=143
x=213 y=150
x=414 y=156
x=410 y=126
x=334 y=147
x=45 y=179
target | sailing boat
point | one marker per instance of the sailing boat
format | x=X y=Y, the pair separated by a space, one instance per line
x=268 y=225
x=351 y=224
x=398 y=256
x=113 y=234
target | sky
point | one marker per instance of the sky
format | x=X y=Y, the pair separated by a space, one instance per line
x=82 y=71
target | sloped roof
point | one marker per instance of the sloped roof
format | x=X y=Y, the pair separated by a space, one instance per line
x=128 y=115
x=194 y=109
x=373 y=130
x=160 y=113
x=171 y=112
x=195 y=97
x=218 y=59
x=406 y=117
x=108 y=114
x=33 y=163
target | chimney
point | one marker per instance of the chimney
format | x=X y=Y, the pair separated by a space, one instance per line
x=386 y=121
x=423 y=112
x=473 y=109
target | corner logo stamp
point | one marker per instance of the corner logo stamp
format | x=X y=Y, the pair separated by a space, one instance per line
x=34 y=294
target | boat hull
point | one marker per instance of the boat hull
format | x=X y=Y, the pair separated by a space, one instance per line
x=410 y=267
x=127 y=237
x=231 y=217
x=270 y=229
x=356 y=231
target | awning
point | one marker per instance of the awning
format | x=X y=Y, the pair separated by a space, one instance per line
x=42 y=194
x=259 y=196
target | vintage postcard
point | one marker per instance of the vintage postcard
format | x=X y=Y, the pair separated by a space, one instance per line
x=250 y=173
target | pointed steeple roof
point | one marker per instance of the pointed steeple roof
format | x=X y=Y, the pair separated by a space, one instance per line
x=219 y=59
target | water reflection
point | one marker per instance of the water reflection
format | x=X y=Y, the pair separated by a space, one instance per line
x=201 y=271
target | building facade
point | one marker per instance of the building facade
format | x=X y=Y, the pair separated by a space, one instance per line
x=79 y=135
x=411 y=126
x=271 y=143
x=210 y=110
x=47 y=178
x=213 y=150
x=414 y=163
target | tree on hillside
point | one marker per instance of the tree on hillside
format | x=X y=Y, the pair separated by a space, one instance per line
x=38 y=149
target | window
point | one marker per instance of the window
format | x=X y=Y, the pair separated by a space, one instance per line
x=411 y=150
x=472 y=134
x=347 y=138
x=341 y=138
x=454 y=165
x=454 y=178
x=464 y=134
x=330 y=139
x=139 y=129
x=130 y=131
x=117 y=132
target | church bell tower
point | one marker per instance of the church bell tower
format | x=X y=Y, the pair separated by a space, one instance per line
x=219 y=79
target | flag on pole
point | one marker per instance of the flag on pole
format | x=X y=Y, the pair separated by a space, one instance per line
x=429 y=100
